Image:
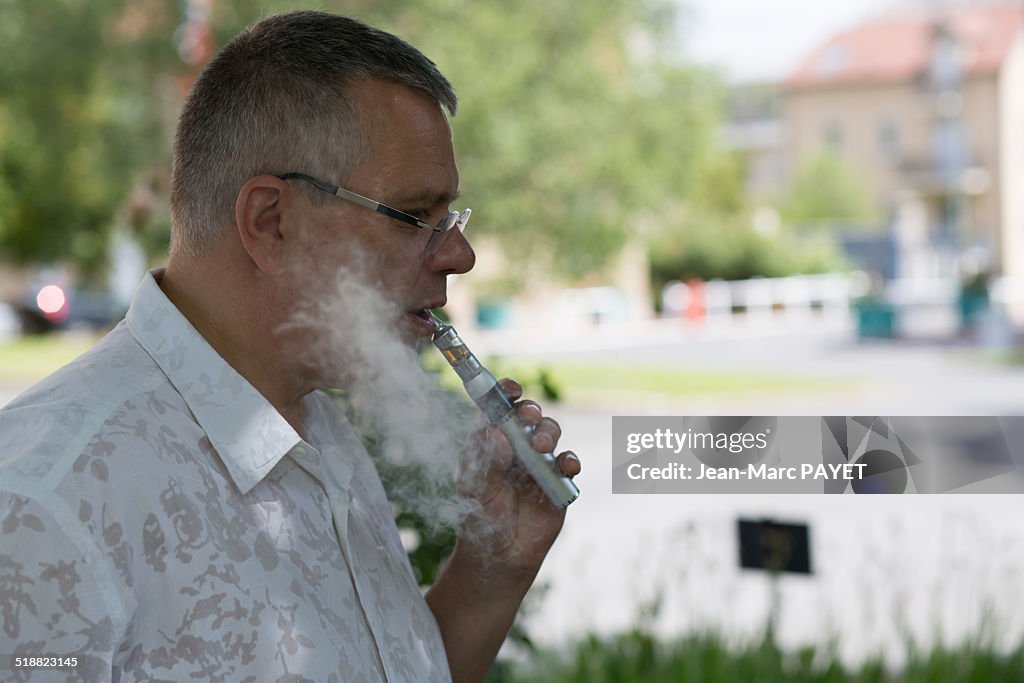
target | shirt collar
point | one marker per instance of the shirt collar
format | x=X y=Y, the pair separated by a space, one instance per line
x=245 y=429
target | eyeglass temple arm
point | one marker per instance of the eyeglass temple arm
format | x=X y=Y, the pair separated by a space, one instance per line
x=360 y=200
x=381 y=208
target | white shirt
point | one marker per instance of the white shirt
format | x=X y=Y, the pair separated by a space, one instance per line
x=160 y=520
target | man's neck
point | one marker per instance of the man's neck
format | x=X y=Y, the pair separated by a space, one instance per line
x=212 y=300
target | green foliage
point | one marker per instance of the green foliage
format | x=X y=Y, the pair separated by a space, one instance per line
x=712 y=235
x=728 y=248
x=638 y=657
x=827 y=192
x=78 y=119
x=573 y=121
x=564 y=134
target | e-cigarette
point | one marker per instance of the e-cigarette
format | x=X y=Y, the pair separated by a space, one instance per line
x=488 y=395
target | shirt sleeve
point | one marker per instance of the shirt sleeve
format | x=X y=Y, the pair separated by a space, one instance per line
x=51 y=603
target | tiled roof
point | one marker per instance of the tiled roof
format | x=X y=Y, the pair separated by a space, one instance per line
x=898 y=48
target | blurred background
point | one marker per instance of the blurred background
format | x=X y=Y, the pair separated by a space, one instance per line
x=680 y=208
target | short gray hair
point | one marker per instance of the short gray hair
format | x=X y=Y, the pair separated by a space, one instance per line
x=274 y=100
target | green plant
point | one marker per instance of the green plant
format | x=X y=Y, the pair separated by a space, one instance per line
x=637 y=656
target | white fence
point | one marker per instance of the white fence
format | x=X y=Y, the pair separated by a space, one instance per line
x=800 y=296
x=606 y=317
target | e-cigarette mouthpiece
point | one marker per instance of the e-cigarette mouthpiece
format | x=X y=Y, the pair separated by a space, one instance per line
x=499 y=409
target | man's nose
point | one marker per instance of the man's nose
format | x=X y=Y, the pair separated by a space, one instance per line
x=453 y=255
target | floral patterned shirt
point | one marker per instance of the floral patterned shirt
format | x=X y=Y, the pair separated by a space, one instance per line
x=161 y=521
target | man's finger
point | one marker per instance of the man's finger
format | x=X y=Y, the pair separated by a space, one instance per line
x=569 y=464
x=529 y=413
x=546 y=435
x=512 y=388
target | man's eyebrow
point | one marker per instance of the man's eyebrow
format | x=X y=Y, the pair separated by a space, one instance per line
x=429 y=198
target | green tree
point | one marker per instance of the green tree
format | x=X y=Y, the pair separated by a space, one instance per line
x=573 y=124
x=79 y=118
x=574 y=127
x=827 y=192
x=714 y=236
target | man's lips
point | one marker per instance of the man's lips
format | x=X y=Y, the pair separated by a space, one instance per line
x=422 y=312
x=423 y=321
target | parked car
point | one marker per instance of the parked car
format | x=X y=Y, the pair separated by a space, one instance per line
x=53 y=305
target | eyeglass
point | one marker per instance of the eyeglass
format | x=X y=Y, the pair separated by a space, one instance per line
x=454 y=219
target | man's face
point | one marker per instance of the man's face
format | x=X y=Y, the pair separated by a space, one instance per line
x=408 y=164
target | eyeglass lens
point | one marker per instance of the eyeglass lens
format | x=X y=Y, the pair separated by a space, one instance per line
x=453 y=219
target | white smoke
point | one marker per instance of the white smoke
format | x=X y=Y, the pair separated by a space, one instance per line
x=413 y=428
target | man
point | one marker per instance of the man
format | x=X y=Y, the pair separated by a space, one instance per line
x=181 y=503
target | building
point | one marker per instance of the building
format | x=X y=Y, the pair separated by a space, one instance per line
x=753 y=130
x=928 y=108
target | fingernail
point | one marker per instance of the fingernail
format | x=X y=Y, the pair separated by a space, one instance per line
x=532 y=407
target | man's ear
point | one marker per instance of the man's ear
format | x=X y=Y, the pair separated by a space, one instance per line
x=260 y=216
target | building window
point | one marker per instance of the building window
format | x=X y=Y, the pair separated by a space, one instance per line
x=833 y=137
x=889 y=141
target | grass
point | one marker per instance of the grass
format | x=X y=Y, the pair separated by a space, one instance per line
x=638 y=657
x=1014 y=357
x=608 y=381
x=29 y=359
x=603 y=383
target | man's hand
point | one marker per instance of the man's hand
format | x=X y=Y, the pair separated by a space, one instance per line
x=514 y=524
x=501 y=543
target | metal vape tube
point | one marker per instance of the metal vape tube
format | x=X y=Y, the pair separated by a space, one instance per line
x=499 y=409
